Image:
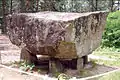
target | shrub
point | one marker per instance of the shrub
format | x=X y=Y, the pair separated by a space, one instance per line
x=111 y=36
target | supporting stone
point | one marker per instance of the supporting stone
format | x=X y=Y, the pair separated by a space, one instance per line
x=85 y=59
x=74 y=64
x=55 y=66
x=27 y=56
x=79 y=64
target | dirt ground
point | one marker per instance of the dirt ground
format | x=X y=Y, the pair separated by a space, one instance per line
x=6 y=74
x=11 y=53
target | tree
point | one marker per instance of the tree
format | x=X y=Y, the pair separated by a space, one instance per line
x=118 y=4
x=4 y=16
x=48 y=5
x=96 y=5
x=37 y=5
x=11 y=7
x=111 y=36
x=91 y=5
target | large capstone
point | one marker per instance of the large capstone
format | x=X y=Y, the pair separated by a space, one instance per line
x=57 y=34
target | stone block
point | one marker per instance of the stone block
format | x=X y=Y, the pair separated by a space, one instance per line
x=44 y=32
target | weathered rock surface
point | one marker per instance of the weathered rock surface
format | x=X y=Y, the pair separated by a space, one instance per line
x=61 y=35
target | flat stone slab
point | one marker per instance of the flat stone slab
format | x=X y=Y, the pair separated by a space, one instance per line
x=57 y=34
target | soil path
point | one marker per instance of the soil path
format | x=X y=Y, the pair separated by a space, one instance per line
x=9 y=52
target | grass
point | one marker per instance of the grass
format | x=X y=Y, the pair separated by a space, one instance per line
x=112 y=54
x=23 y=65
x=107 y=62
x=108 y=53
x=112 y=76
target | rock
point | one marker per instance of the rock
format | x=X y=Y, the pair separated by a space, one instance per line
x=57 y=34
x=80 y=64
x=89 y=65
x=55 y=66
x=27 y=56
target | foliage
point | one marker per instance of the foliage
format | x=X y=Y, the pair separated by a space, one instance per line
x=57 y=5
x=81 y=5
x=72 y=6
x=25 y=66
x=111 y=36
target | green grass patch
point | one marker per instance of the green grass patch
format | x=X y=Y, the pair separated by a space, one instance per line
x=111 y=53
x=115 y=56
x=107 y=62
x=111 y=76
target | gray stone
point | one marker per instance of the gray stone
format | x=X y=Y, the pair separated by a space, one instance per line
x=80 y=64
x=55 y=66
x=27 y=56
x=57 y=34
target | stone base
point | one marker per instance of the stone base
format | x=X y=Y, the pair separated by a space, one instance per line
x=81 y=62
x=55 y=66
x=27 y=56
x=85 y=59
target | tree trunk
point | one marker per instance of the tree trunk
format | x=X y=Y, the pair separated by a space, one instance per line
x=96 y=5
x=111 y=3
x=91 y=4
x=37 y=5
x=22 y=6
x=48 y=5
x=4 y=14
x=118 y=4
x=11 y=7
